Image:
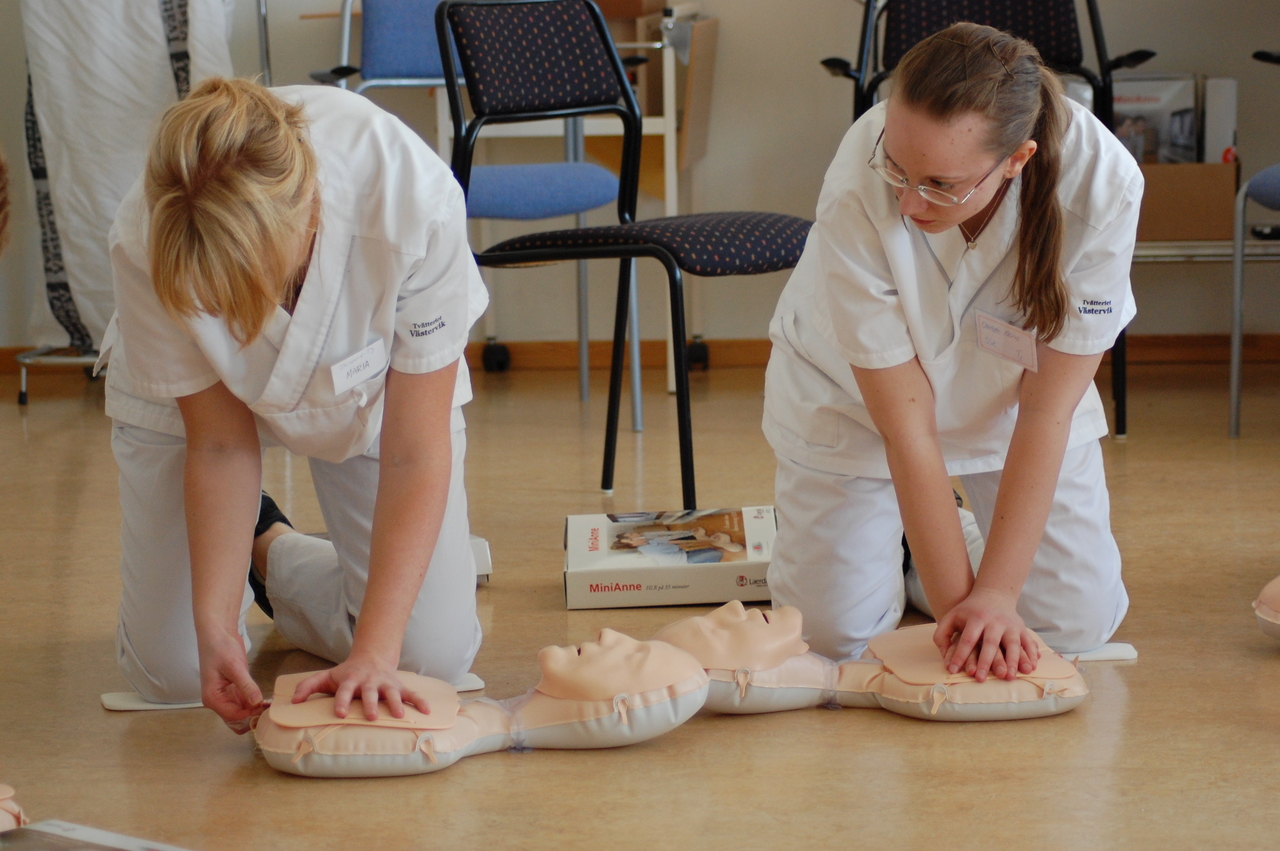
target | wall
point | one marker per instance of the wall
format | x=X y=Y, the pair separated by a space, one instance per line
x=777 y=119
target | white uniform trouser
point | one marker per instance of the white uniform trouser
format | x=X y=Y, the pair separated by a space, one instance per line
x=838 y=556
x=316 y=587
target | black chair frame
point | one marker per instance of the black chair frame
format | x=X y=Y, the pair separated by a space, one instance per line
x=466 y=134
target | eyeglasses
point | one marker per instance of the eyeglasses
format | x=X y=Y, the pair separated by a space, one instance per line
x=928 y=193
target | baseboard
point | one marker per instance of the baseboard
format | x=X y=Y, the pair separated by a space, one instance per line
x=1200 y=348
x=1142 y=349
x=557 y=354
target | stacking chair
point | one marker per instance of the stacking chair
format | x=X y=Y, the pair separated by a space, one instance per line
x=527 y=60
x=892 y=27
x=399 y=49
x=1264 y=189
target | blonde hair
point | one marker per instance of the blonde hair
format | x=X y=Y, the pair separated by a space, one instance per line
x=229 y=176
x=971 y=68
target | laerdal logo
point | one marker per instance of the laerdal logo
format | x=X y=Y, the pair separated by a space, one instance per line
x=612 y=586
x=593 y=541
x=744 y=582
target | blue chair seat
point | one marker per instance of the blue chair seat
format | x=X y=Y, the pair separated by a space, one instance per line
x=539 y=190
x=1264 y=187
x=708 y=244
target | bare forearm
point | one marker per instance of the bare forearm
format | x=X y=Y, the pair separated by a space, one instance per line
x=221 y=487
x=1022 y=507
x=412 y=492
x=929 y=516
x=901 y=403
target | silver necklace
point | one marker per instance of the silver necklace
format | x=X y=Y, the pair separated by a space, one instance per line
x=973 y=239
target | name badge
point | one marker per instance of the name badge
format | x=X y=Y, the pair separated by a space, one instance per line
x=1006 y=341
x=361 y=366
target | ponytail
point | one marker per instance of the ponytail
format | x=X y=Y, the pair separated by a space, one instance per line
x=1039 y=289
x=972 y=68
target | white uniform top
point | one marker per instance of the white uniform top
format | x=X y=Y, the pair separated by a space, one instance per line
x=874 y=291
x=391 y=276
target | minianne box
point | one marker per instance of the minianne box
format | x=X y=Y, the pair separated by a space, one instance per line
x=668 y=558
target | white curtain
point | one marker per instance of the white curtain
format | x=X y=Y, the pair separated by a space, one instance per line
x=102 y=71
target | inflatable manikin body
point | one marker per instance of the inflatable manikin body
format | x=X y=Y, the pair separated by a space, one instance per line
x=10 y=813
x=607 y=693
x=1267 y=608
x=757 y=662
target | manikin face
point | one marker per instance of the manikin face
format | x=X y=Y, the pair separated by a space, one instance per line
x=612 y=664
x=947 y=155
x=733 y=637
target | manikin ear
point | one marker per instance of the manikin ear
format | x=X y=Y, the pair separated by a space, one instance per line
x=1018 y=159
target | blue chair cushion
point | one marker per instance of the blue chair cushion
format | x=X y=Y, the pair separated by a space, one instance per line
x=709 y=244
x=1264 y=187
x=398 y=40
x=538 y=191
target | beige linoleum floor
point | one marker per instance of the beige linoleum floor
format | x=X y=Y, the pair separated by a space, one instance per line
x=1180 y=749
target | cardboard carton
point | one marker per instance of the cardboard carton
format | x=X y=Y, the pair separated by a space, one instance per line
x=667 y=558
x=1188 y=201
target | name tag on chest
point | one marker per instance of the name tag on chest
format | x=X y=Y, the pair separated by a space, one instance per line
x=1006 y=341
x=361 y=366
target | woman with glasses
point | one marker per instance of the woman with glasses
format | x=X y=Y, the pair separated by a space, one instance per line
x=968 y=269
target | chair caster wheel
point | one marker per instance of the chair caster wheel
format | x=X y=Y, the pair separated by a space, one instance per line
x=697 y=355
x=495 y=357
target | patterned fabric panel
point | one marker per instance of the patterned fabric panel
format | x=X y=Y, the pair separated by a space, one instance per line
x=174 y=14
x=1050 y=25
x=708 y=244
x=528 y=57
x=57 y=289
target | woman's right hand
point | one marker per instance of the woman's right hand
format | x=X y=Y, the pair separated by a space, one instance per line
x=225 y=684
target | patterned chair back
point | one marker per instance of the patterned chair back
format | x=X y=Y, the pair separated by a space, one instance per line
x=1050 y=25
x=398 y=40
x=521 y=57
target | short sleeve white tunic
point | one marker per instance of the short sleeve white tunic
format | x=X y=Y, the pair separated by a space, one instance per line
x=874 y=291
x=391 y=272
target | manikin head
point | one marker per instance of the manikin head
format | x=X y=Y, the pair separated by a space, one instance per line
x=972 y=107
x=612 y=664
x=231 y=186
x=733 y=637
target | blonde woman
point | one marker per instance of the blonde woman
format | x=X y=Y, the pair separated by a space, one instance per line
x=292 y=269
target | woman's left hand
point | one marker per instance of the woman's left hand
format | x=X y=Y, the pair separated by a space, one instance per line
x=984 y=633
x=368 y=677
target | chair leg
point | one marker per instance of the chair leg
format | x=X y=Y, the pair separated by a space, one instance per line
x=584 y=355
x=625 y=271
x=1120 y=384
x=637 y=404
x=1237 y=311
x=680 y=359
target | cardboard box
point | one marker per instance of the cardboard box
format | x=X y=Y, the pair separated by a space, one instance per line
x=667 y=558
x=630 y=8
x=1188 y=201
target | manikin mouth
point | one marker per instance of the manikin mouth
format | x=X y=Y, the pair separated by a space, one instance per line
x=764 y=615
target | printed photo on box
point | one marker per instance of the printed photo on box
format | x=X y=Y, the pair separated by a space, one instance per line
x=1156 y=118
x=691 y=537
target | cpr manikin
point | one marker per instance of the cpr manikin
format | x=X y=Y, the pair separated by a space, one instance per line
x=606 y=693
x=757 y=662
x=1267 y=608
x=10 y=813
